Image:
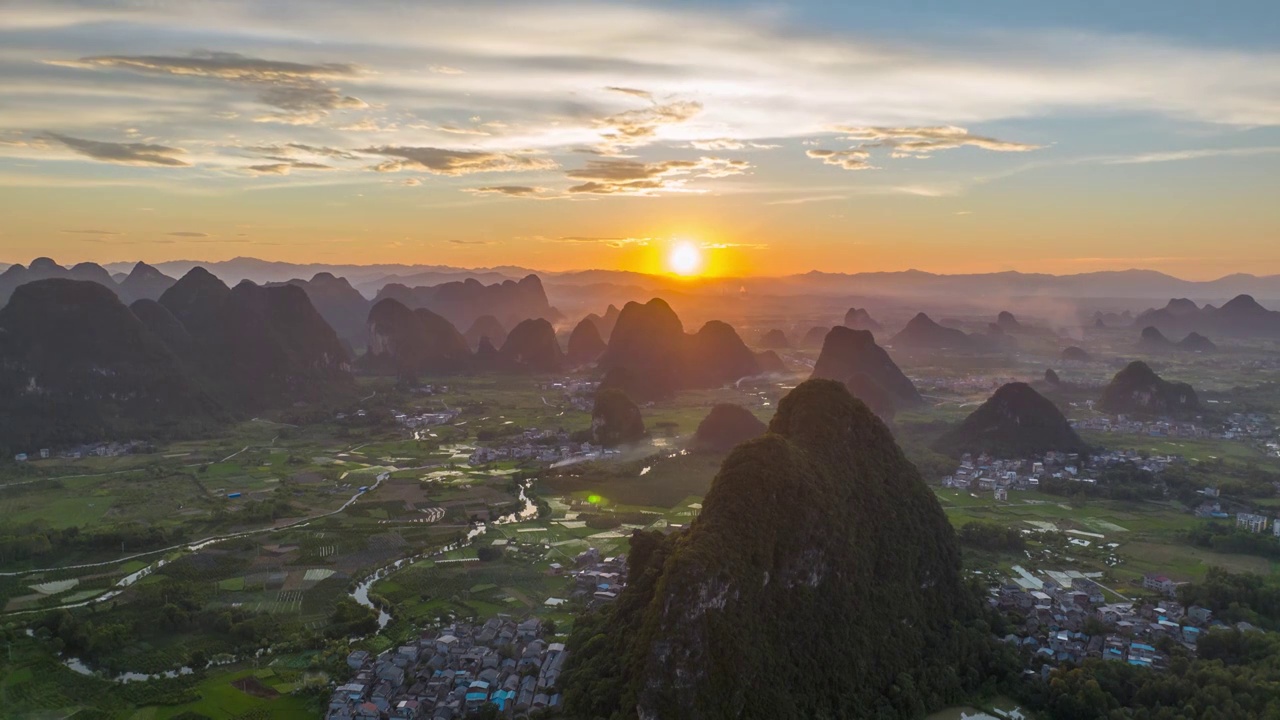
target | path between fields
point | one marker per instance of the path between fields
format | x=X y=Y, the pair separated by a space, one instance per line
x=198 y=544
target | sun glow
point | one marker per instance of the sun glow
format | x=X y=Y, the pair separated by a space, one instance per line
x=685 y=258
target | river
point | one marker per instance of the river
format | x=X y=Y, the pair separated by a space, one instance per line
x=527 y=511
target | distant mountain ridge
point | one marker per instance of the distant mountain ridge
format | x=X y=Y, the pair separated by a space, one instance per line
x=1242 y=316
x=462 y=303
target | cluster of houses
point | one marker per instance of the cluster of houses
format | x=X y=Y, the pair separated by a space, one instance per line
x=419 y=420
x=1162 y=427
x=984 y=472
x=552 y=446
x=101 y=449
x=1057 y=607
x=456 y=670
x=1255 y=523
x=579 y=394
x=453 y=672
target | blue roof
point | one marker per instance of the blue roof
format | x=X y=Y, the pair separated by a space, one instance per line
x=1140 y=646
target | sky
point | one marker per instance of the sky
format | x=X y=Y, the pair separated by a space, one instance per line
x=772 y=138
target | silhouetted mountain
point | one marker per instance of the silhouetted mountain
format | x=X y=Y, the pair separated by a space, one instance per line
x=775 y=340
x=846 y=353
x=531 y=346
x=585 y=344
x=44 y=268
x=1153 y=341
x=485 y=326
x=820 y=579
x=649 y=342
x=1240 y=317
x=1051 y=377
x=1195 y=342
x=77 y=366
x=168 y=328
x=605 y=324
x=409 y=343
x=1007 y=322
x=615 y=419
x=1075 y=353
x=143 y=283
x=1137 y=389
x=262 y=346
x=867 y=389
x=923 y=334
x=815 y=337
x=770 y=362
x=716 y=355
x=727 y=426
x=462 y=303
x=342 y=306
x=860 y=319
x=1015 y=422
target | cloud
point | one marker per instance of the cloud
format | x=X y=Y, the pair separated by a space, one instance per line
x=92 y=232
x=471 y=242
x=284 y=166
x=847 y=159
x=613 y=242
x=187 y=234
x=411 y=182
x=439 y=161
x=616 y=176
x=632 y=128
x=454 y=130
x=123 y=153
x=298 y=90
x=633 y=92
x=516 y=191
x=920 y=141
x=369 y=125
x=730 y=246
x=1198 y=154
x=907 y=142
x=806 y=200
x=445 y=70
x=730 y=144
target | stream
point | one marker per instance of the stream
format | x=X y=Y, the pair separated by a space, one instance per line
x=527 y=511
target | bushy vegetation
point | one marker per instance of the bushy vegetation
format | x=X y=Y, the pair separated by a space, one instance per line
x=821 y=580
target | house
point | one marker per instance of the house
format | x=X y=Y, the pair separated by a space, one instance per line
x=357 y=659
x=1200 y=615
x=1251 y=522
x=1160 y=584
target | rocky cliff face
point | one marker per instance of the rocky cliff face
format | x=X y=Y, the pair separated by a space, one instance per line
x=1137 y=389
x=847 y=352
x=1015 y=422
x=820 y=579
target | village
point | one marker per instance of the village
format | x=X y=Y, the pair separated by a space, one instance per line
x=987 y=473
x=1066 y=617
x=503 y=665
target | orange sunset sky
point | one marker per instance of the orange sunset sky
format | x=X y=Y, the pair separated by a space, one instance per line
x=773 y=139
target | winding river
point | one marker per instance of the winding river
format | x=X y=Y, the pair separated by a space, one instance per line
x=360 y=594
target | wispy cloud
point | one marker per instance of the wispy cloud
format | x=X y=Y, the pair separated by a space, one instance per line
x=806 y=200
x=440 y=161
x=91 y=232
x=124 y=153
x=613 y=242
x=299 y=91
x=187 y=234
x=515 y=191
x=847 y=159
x=632 y=177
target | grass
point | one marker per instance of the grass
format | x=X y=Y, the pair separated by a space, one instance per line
x=219 y=699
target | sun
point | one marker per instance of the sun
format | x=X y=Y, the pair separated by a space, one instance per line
x=685 y=258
